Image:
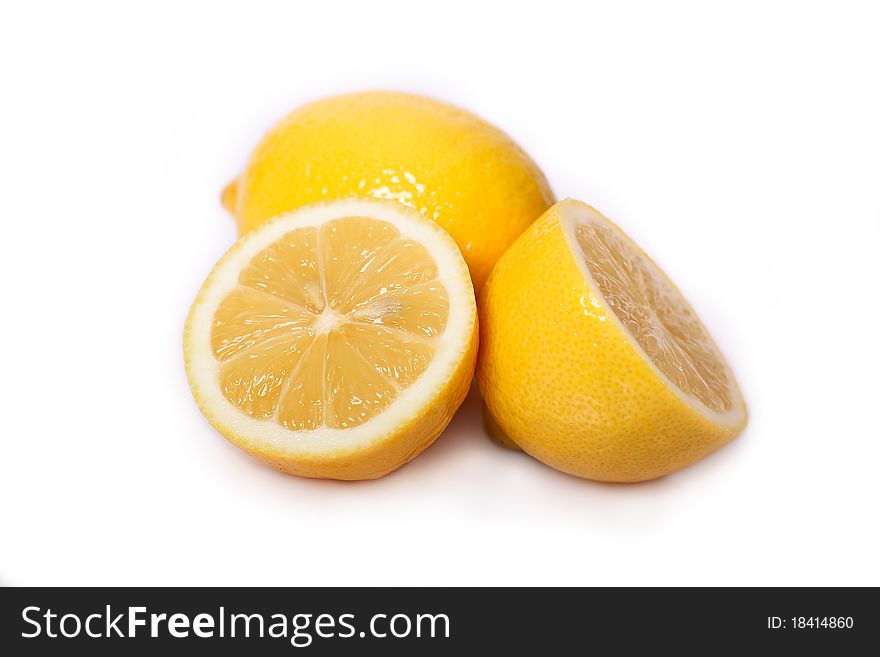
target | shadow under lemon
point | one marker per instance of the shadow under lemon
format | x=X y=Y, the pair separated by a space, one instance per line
x=495 y=432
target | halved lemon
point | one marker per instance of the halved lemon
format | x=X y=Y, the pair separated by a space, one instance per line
x=335 y=341
x=593 y=362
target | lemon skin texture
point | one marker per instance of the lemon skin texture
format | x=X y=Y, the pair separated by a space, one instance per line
x=562 y=380
x=452 y=166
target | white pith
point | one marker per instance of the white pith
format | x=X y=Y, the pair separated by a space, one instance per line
x=572 y=213
x=268 y=436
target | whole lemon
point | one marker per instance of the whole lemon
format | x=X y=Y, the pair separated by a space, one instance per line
x=452 y=166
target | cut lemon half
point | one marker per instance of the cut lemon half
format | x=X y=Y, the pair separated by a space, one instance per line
x=592 y=361
x=335 y=341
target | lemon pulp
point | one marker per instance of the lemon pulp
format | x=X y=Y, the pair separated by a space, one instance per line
x=328 y=324
x=655 y=313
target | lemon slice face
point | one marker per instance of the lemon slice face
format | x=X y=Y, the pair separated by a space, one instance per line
x=655 y=313
x=336 y=340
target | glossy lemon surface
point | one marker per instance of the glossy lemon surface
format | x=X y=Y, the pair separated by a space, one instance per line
x=452 y=166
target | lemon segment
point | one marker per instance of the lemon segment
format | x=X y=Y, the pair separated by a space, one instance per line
x=445 y=162
x=336 y=340
x=591 y=359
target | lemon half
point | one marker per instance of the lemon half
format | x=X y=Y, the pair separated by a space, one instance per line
x=335 y=341
x=592 y=361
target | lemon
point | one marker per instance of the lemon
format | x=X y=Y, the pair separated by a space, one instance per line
x=336 y=340
x=452 y=166
x=592 y=361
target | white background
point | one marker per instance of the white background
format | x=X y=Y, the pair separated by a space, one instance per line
x=739 y=143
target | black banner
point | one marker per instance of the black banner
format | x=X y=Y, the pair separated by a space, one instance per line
x=434 y=621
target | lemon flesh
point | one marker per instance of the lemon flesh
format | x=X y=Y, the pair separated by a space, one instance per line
x=453 y=167
x=655 y=313
x=592 y=360
x=335 y=341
